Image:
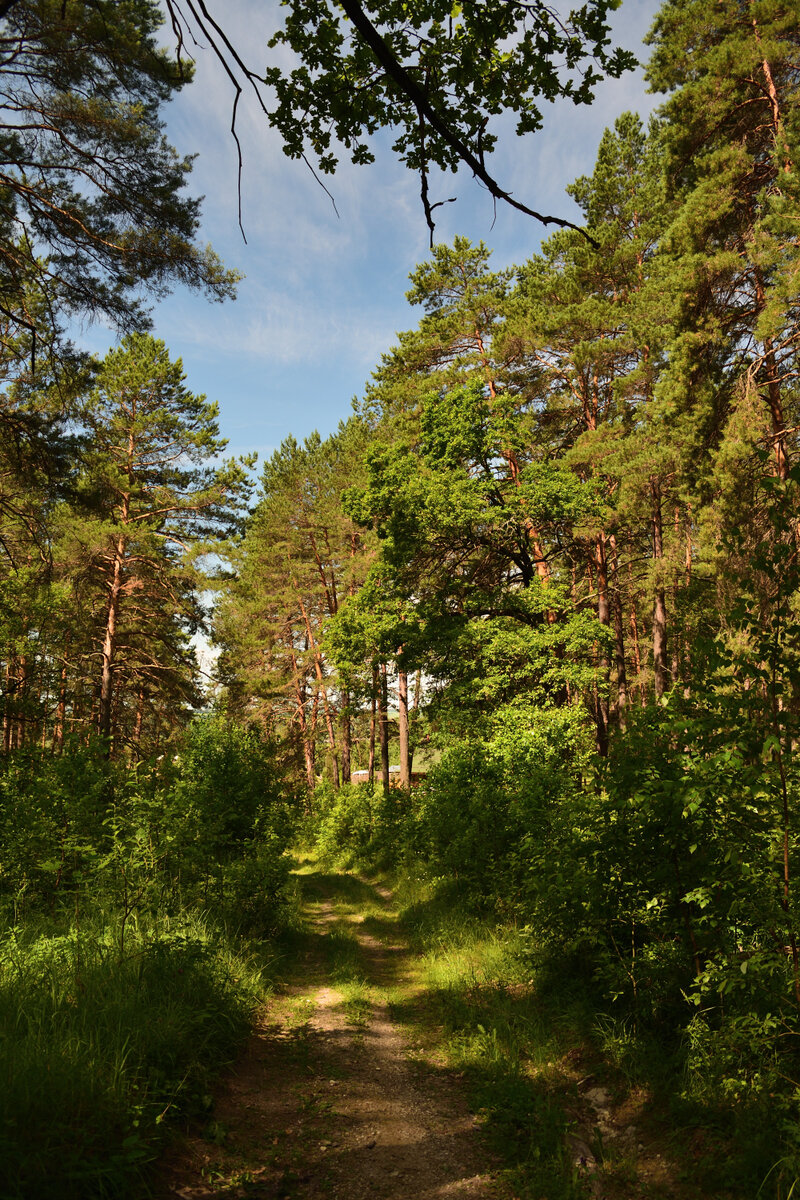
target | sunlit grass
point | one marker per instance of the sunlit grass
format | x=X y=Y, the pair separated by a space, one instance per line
x=474 y=1004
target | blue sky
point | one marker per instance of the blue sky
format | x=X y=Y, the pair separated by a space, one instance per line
x=323 y=295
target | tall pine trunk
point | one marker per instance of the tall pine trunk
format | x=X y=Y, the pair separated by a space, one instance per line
x=402 y=729
x=383 y=727
x=347 y=737
x=604 y=617
x=373 y=707
x=661 y=677
x=61 y=709
x=619 y=635
x=109 y=649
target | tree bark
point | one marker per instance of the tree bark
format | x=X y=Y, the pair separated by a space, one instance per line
x=383 y=727
x=110 y=643
x=136 y=737
x=772 y=380
x=637 y=654
x=324 y=691
x=373 y=706
x=61 y=710
x=661 y=677
x=512 y=462
x=7 y=712
x=308 y=737
x=402 y=729
x=347 y=738
x=603 y=616
x=619 y=635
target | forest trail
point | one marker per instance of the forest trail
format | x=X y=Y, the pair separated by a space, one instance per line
x=330 y=1098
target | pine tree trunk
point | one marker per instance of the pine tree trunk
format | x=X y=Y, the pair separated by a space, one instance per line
x=324 y=691
x=347 y=738
x=637 y=655
x=136 y=737
x=512 y=462
x=110 y=644
x=383 y=727
x=660 y=668
x=402 y=729
x=7 y=714
x=619 y=636
x=61 y=710
x=414 y=708
x=22 y=689
x=306 y=737
x=603 y=616
x=675 y=664
x=373 y=706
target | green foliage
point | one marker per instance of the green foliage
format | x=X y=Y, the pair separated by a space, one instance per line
x=121 y=988
x=435 y=74
x=94 y=203
x=357 y=823
x=52 y=814
x=229 y=786
x=233 y=822
x=151 y=508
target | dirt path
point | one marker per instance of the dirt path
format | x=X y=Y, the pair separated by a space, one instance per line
x=329 y=1098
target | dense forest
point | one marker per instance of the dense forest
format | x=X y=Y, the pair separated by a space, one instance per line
x=525 y=629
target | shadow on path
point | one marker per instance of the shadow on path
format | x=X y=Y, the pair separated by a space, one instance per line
x=326 y=1100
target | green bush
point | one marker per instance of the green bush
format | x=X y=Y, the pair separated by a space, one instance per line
x=120 y=992
x=232 y=820
x=490 y=811
x=52 y=814
x=255 y=897
x=357 y=823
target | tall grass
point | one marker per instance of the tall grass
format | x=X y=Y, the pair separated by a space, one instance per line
x=119 y=997
x=99 y=1045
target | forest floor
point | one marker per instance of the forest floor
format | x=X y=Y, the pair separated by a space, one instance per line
x=340 y=1094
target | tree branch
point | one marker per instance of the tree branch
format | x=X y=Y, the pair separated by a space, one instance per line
x=397 y=72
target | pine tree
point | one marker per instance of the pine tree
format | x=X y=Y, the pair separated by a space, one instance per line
x=583 y=339
x=300 y=558
x=150 y=506
x=733 y=141
x=94 y=209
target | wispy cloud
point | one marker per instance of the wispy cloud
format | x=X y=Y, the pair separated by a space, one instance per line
x=286 y=329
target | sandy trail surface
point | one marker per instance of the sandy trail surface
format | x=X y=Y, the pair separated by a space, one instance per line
x=329 y=1097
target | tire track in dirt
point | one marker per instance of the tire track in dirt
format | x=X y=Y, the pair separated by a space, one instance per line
x=326 y=1099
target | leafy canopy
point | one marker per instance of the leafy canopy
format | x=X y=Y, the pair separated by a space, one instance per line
x=433 y=72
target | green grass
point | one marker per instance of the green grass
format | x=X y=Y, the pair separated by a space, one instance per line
x=524 y=1033
x=98 y=1048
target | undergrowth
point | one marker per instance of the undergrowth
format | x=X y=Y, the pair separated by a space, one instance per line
x=125 y=894
x=99 y=1047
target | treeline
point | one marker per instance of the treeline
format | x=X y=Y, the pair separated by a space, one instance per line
x=142 y=842
x=565 y=508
